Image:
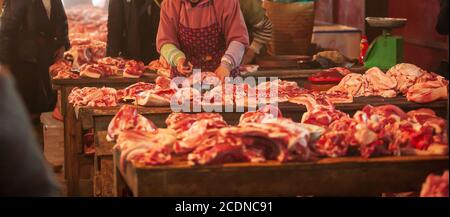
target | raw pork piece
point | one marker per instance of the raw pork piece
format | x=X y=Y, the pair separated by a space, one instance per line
x=406 y=75
x=155 y=97
x=66 y=75
x=335 y=97
x=60 y=66
x=116 y=64
x=278 y=139
x=216 y=148
x=320 y=111
x=380 y=83
x=133 y=69
x=86 y=53
x=337 y=139
x=278 y=91
x=192 y=128
x=353 y=84
x=93 y=97
x=435 y=186
x=160 y=95
x=96 y=71
x=161 y=66
x=261 y=115
x=145 y=148
x=130 y=92
x=128 y=118
x=428 y=88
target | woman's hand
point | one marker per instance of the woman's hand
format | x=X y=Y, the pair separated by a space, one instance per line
x=222 y=72
x=184 y=67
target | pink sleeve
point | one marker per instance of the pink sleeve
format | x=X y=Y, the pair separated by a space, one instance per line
x=167 y=30
x=234 y=24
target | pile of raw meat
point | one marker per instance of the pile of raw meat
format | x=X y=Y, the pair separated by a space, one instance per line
x=88 y=34
x=98 y=68
x=93 y=97
x=161 y=66
x=141 y=92
x=415 y=83
x=163 y=92
x=86 y=21
x=435 y=186
x=385 y=130
x=205 y=138
x=264 y=135
x=375 y=131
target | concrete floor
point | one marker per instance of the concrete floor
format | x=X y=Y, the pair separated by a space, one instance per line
x=54 y=147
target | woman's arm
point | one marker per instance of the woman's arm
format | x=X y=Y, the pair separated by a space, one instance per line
x=11 y=20
x=166 y=39
x=255 y=17
x=236 y=34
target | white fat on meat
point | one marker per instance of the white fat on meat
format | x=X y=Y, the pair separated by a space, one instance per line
x=382 y=84
x=406 y=75
x=428 y=90
x=352 y=83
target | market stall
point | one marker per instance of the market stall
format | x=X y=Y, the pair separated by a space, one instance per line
x=305 y=120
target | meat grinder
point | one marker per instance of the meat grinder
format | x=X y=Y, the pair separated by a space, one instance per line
x=387 y=49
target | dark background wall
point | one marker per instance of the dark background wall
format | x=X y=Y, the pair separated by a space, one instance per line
x=423 y=45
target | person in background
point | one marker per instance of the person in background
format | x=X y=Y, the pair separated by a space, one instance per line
x=442 y=28
x=23 y=170
x=33 y=35
x=442 y=25
x=207 y=34
x=259 y=26
x=132 y=28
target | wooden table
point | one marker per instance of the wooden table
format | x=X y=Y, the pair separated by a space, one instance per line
x=349 y=176
x=72 y=126
x=298 y=75
x=83 y=169
x=65 y=86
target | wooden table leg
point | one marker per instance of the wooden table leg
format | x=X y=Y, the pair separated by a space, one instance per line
x=72 y=143
x=120 y=187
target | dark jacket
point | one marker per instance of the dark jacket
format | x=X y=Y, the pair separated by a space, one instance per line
x=28 y=42
x=442 y=25
x=132 y=29
x=27 y=34
x=23 y=171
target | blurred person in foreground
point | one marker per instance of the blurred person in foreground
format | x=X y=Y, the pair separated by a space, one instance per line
x=23 y=171
x=33 y=35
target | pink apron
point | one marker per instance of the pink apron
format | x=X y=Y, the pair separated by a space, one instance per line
x=203 y=47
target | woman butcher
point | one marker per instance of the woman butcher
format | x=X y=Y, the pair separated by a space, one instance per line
x=207 y=34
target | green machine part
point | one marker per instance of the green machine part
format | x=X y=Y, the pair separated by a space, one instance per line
x=385 y=52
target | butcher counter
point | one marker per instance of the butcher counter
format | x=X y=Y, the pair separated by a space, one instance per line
x=347 y=176
x=87 y=172
x=65 y=86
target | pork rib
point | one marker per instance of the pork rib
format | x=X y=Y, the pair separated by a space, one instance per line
x=128 y=119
